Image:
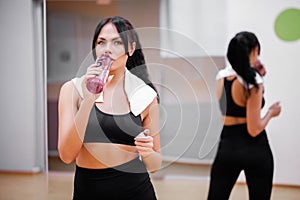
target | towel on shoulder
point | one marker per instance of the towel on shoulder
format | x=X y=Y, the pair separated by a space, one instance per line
x=139 y=94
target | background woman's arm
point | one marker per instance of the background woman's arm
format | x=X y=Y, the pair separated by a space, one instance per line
x=255 y=123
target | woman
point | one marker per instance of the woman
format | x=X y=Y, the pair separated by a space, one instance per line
x=243 y=144
x=99 y=131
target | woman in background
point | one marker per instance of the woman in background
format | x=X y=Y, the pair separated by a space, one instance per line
x=99 y=131
x=243 y=144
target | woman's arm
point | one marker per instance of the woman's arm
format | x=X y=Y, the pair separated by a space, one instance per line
x=255 y=123
x=220 y=88
x=149 y=147
x=72 y=122
x=73 y=117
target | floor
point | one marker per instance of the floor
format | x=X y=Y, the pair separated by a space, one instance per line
x=169 y=183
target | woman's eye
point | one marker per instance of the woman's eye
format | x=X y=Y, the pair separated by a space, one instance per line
x=101 y=43
x=118 y=43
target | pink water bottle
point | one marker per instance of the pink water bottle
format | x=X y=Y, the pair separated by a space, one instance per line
x=95 y=85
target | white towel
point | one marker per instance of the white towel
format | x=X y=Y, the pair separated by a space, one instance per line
x=139 y=94
x=259 y=79
x=228 y=71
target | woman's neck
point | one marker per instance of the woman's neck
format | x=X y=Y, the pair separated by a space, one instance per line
x=117 y=77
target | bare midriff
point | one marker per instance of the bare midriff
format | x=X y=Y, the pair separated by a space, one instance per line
x=229 y=120
x=105 y=155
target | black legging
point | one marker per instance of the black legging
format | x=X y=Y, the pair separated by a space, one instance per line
x=239 y=151
x=129 y=181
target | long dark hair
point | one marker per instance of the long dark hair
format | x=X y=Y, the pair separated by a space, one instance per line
x=238 y=52
x=135 y=63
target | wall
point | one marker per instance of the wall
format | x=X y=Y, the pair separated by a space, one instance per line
x=281 y=83
x=22 y=85
x=198 y=20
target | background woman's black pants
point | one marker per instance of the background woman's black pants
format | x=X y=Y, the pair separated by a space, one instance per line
x=239 y=151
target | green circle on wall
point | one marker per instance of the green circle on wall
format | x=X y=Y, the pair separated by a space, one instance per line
x=287 y=25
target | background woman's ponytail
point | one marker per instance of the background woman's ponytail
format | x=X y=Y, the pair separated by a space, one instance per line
x=238 y=53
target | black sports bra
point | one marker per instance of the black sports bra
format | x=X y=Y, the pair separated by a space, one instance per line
x=108 y=128
x=227 y=105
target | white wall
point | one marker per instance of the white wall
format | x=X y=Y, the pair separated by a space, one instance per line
x=22 y=143
x=201 y=21
x=281 y=83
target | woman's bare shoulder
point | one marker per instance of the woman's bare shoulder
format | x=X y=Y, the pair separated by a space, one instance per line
x=152 y=106
x=68 y=89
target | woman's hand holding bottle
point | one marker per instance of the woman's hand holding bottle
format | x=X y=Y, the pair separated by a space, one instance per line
x=91 y=72
x=96 y=84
